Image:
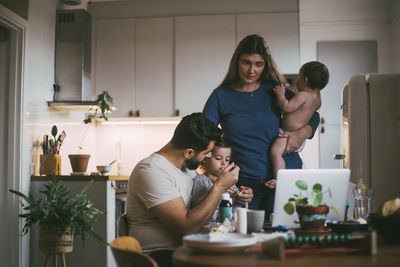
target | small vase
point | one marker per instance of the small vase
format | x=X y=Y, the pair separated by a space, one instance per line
x=51 y=242
x=79 y=162
x=312 y=218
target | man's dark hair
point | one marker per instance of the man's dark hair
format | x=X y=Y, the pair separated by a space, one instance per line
x=316 y=73
x=195 y=131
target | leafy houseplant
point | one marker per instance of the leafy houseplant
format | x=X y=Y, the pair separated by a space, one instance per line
x=61 y=213
x=309 y=206
x=102 y=106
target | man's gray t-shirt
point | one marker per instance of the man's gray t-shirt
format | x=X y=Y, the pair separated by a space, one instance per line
x=155 y=181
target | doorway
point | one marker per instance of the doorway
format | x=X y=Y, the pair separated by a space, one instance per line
x=343 y=60
x=12 y=43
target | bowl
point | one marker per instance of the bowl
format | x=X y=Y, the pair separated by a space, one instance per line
x=104 y=169
x=343 y=226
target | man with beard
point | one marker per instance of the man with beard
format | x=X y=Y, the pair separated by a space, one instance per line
x=160 y=186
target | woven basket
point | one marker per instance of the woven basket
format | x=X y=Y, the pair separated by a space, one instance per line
x=51 y=242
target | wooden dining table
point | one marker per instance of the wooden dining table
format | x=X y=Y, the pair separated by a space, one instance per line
x=387 y=255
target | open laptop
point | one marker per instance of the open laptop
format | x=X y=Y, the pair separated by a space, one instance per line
x=335 y=179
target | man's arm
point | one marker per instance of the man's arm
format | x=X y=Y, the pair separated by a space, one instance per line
x=174 y=214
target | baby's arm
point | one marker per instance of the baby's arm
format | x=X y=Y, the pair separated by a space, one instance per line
x=288 y=106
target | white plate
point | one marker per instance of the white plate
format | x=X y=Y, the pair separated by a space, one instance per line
x=219 y=243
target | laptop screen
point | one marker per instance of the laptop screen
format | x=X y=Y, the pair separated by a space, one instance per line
x=337 y=180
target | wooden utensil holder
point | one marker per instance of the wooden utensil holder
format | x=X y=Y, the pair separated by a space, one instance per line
x=50 y=164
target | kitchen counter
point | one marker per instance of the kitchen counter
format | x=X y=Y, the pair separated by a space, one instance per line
x=82 y=177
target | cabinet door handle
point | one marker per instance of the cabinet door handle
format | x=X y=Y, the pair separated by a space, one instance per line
x=177 y=111
x=137 y=113
x=339 y=156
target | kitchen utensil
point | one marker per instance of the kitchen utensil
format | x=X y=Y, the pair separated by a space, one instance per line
x=54 y=132
x=112 y=162
x=51 y=146
x=60 y=140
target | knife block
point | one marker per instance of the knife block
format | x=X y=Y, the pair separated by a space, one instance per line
x=50 y=164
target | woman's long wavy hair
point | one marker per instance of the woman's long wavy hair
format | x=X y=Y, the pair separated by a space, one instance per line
x=253 y=44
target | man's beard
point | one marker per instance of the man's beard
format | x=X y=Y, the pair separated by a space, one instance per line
x=190 y=164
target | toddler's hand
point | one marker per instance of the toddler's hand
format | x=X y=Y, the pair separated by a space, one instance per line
x=232 y=189
x=270 y=183
x=280 y=89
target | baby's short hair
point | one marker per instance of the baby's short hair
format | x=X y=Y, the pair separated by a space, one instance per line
x=223 y=143
x=317 y=74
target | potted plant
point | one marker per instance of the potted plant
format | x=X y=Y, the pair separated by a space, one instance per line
x=60 y=215
x=309 y=206
x=103 y=105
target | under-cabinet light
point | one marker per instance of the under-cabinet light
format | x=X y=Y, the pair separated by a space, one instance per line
x=141 y=122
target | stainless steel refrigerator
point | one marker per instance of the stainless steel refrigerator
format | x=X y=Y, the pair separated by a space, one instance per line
x=371 y=133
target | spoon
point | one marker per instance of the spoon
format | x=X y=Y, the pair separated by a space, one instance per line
x=54 y=132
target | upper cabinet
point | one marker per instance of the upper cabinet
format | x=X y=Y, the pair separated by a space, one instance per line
x=154 y=67
x=280 y=31
x=168 y=66
x=114 y=61
x=203 y=48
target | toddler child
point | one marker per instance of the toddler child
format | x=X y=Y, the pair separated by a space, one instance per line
x=313 y=77
x=213 y=166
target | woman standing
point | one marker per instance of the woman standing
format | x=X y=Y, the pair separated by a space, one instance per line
x=246 y=107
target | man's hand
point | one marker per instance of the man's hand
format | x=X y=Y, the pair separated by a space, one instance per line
x=228 y=177
x=245 y=195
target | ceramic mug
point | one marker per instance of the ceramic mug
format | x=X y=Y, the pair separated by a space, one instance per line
x=255 y=220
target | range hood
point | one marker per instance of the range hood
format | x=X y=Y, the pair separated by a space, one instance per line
x=72 y=59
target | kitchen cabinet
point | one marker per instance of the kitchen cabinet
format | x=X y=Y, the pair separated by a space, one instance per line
x=203 y=48
x=154 y=94
x=114 y=61
x=168 y=66
x=280 y=31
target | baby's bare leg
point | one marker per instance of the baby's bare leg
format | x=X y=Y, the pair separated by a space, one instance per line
x=276 y=152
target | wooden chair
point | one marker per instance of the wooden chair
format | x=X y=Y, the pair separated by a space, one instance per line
x=128 y=253
x=124 y=224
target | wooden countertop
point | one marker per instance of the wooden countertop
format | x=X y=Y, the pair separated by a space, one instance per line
x=83 y=177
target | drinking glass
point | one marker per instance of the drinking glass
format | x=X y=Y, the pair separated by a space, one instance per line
x=363 y=202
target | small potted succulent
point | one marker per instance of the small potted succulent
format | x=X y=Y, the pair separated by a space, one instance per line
x=60 y=216
x=309 y=206
x=103 y=105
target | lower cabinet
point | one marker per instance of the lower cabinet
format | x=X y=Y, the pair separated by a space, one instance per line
x=93 y=253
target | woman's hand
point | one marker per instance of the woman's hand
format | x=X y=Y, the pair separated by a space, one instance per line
x=296 y=138
x=245 y=195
